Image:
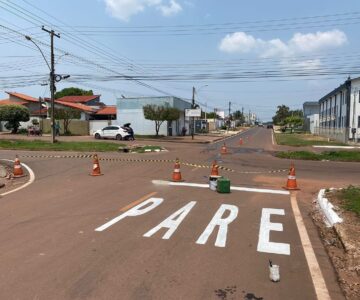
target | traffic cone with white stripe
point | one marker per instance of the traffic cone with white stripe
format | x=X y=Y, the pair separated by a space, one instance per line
x=96 y=167
x=176 y=177
x=223 y=149
x=215 y=169
x=18 y=171
x=291 y=182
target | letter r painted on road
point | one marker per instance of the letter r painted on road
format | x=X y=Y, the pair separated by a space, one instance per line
x=137 y=210
x=222 y=223
x=172 y=222
x=264 y=244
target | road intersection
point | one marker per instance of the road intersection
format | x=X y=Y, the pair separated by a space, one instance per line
x=120 y=236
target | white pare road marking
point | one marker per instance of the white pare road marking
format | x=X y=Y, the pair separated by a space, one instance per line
x=222 y=223
x=31 y=180
x=133 y=212
x=264 y=244
x=172 y=222
x=321 y=290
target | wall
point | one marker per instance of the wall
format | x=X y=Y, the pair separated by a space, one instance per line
x=98 y=124
x=130 y=110
x=313 y=122
x=76 y=127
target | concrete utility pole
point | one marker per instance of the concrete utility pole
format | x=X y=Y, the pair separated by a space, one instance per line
x=193 y=118
x=229 y=114
x=52 y=81
x=242 y=113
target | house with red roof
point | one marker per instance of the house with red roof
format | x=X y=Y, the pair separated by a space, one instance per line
x=90 y=107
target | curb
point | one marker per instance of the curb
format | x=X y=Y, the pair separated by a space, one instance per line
x=331 y=217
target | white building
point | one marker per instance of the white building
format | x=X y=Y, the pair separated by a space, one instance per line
x=130 y=110
x=340 y=112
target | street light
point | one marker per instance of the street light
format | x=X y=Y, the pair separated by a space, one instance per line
x=53 y=77
x=29 y=39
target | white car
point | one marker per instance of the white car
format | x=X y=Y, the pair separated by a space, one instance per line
x=111 y=132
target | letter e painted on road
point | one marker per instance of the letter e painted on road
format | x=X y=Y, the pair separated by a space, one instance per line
x=264 y=244
x=222 y=223
x=172 y=222
x=137 y=210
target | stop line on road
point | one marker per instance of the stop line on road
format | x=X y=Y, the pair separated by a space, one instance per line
x=218 y=222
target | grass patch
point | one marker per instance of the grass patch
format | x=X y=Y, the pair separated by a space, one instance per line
x=298 y=140
x=350 y=197
x=326 y=155
x=59 y=146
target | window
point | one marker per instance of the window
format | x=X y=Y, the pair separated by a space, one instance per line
x=358 y=121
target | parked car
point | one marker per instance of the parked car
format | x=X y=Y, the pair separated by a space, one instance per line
x=111 y=132
x=269 y=126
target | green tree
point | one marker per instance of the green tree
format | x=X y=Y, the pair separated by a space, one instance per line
x=159 y=114
x=67 y=115
x=281 y=114
x=14 y=114
x=294 y=121
x=296 y=112
x=209 y=115
x=73 y=91
x=238 y=116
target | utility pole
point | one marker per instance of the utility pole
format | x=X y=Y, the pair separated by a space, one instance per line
x=229 y=114
x=193 y=118
x=242 y=115
x=52 y=81
x=249 y=118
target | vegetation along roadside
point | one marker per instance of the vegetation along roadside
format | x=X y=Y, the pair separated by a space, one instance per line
x=326 y=155
x=68 y=146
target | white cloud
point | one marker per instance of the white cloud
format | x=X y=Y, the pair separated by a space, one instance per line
x=240 y=42
x=171 y=9
x=311 y=42
x=125 y=9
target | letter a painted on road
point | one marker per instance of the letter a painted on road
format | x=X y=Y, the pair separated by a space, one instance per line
x=222 y=223
x=135 y=211
x=264 y=244
x=172 y=222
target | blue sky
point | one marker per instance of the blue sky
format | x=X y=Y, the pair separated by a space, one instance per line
x=256 y=54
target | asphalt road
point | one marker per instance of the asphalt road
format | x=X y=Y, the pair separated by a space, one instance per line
x=170 y=242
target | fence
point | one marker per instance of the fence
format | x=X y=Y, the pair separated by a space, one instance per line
x=337 y=134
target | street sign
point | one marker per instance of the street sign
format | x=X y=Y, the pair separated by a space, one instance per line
x=192 y=112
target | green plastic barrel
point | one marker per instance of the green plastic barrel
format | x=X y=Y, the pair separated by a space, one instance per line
x=223 y=185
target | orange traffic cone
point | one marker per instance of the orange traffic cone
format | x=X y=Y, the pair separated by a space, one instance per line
x=240 y=141
x=18 y=171
x=291 y=182
x=215 y=169
x=96 y=167
x=177 y=174
x=223 y=149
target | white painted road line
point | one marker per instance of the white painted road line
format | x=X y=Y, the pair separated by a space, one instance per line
x=31 y=179
x=233 y=188
x=321 y=290
x=133 y=212
x=337 y=147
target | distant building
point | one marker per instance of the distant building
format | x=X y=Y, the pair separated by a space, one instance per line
x=309 y=109
x=130 y=110
x=340 y=112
